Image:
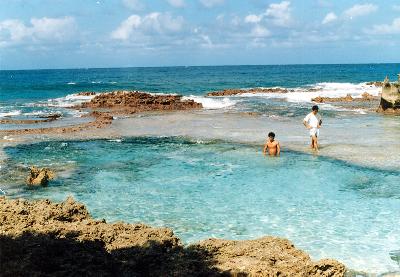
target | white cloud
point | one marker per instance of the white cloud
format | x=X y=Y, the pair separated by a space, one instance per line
x=211 y=3
x=127 y=27
x=360 y=10
x=280 y=13
x=40 y=30
x=135 y=5
x=177 y=3
x=152 y=23
x=253 y=18
x=385 y=29
x=260 y=31
x=329 y=18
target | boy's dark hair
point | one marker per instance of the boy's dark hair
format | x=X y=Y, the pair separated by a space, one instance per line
x=315 y=108
x=271 y=134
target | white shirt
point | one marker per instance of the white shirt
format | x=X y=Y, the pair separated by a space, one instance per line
x=312 y=120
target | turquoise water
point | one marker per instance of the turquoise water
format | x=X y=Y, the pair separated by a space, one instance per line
x=218 y=189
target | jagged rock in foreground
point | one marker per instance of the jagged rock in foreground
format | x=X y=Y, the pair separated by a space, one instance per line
x=58 y=239
x=390 y=99
x=39 y=176
x=267 y=256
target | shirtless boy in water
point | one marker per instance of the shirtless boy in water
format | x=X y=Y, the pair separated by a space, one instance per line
x=272 y=146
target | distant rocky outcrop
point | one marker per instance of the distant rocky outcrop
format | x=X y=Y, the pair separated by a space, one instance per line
x=230 y=92
x=365 y=97
x=86 y=93
x=134 y=101
x=61 y=239
x=39 y=176
x=390 y=98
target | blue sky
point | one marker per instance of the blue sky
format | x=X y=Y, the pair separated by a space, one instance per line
x=105 y=33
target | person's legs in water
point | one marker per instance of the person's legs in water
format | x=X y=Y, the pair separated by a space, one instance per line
x=314 y=142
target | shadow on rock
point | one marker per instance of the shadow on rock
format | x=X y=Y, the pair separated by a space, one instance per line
x=36 y=254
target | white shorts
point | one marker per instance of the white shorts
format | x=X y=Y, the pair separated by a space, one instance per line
x=314 y=132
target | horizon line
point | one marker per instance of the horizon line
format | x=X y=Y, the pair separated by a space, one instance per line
x=185 y=66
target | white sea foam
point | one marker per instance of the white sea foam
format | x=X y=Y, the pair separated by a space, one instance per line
x=69 y=100
x=71 y=83
x=305 y=94
x=10 y=113
x=212 y=103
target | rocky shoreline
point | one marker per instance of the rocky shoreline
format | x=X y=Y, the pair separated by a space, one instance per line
x=103 y=107
x=57 y=239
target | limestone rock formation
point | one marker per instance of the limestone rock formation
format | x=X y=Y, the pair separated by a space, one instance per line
x=267 y=256
x=62 y=239
x=390 y=99
x=39 y=176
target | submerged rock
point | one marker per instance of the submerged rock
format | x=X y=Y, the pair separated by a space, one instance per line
x=390 y=99
x=57 y=239
x=39 y=176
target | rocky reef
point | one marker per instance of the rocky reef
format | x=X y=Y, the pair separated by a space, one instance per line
x=129 y=102
x=103 y=107
x=230 y=92
x=62 y=239
x=390 y=98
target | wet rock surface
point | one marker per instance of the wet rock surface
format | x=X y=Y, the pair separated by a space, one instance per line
x=58 y=239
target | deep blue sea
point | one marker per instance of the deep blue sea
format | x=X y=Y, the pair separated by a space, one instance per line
x=220 y=188
x=27 y=93
x=27 y=85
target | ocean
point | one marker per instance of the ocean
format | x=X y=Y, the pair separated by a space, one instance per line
x=202 y=172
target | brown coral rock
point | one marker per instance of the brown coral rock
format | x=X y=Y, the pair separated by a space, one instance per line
x=365 y=97
x=39 y=176
x=133 y=101
x=62 y=239
x=267 y=256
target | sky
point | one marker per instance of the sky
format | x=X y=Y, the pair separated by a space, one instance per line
x=122 y=33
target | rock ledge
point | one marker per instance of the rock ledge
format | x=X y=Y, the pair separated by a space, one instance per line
x=58 y=239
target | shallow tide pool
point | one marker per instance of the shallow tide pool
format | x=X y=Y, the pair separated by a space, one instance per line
x=328 y=208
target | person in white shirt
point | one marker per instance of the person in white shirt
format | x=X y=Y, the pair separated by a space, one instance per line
x=313 y=123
